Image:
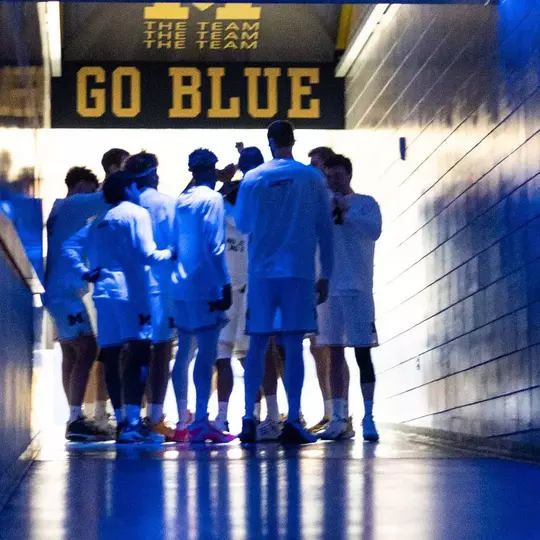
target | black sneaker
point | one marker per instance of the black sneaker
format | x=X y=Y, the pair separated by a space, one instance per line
x=249 y=431
x=295 y=433
x=85 y=430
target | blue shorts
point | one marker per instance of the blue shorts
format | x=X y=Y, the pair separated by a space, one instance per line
x=291 y=301
x=70 y=317
x=194 y=315
x=162 y=309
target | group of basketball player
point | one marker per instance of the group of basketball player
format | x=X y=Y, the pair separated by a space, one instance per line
x=249 y=272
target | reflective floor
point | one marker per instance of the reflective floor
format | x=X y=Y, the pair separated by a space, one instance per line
x=398 y=489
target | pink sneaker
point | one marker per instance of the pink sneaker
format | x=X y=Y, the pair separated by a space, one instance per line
x=203 y=431
x=180 y=435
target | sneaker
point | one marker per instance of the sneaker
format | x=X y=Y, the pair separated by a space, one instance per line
x=138 y=433
x=106 y=422
x=204 y=430
x=295 y=433
x=249 y=431
x=349 y=433
x=184 y=423
x=161 y=428
x=222 y=425
x=320 y=426
x=369 y=429
x=335 y=429
x=86 y=430
x=302 y=420
x=269 y=430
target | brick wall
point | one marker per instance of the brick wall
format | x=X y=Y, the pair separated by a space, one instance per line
x=458 y=264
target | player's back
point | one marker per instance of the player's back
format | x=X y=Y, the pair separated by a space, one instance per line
x=279 y=206
x=67 y=216
x=162 y=210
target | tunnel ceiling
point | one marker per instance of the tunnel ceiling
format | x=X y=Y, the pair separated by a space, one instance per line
x=121 y=32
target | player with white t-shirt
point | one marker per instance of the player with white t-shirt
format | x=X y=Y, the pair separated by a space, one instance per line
x=283 y=205
x=162 y=210
x=64 y=300
x=120 y=249
x=202 y=293
x=233 y=339
x=347 y=319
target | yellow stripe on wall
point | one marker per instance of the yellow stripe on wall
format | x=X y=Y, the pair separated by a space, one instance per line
x=344 y=27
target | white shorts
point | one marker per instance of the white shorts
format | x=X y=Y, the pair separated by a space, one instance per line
x=233 y=338
x=294 y=299
x=193 y=315
x=347 y=321
x=162 y=318
x=70 y=318
x=119 y=322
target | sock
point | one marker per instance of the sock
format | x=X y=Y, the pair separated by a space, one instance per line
x=273 y=409
x=257 y=412
x=133 y=414
x=346 y=409
x=338 y=407
x=155 y=412
x=328 y=408
x=89 y=409
x=183 y=413
x=368 y=405
x=74 y=413
x=223 y=410
x=119 y=415
x=100 y=410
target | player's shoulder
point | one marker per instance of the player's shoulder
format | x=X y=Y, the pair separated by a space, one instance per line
x=360 y=199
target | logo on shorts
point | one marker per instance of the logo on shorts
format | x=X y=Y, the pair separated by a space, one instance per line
x=75 y=319
x=144 y=319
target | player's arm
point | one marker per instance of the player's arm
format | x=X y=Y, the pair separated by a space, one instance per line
x=144 y=241
x=367 y=217
x=214 y=238
x=75 y=249
x=89 y=204
x=324 y=229
x=243 y=211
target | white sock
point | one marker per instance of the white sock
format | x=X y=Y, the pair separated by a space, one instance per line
x=328 y=408
x=74 y=413
x=155 y=412
x=133 y=414
x=89 y=409
x=257 y=412
x=223 y=410
x=119 y=415
x=368 y=405
x=273 y=409
x=100 y=410
x=183 y=413
x=338 y=408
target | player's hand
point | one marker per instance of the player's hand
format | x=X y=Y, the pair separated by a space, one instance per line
x=322 y=291
x=227 y=174
x=92 y=276
x=225 y=302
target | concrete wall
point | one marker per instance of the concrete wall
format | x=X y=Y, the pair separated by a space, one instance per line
x=458 y=264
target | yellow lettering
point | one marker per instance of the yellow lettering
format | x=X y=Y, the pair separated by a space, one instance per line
x=230 y=45
x=216 y=35
x=247 y=35
x=251 y=27
x=217 y=110
x=246 y=45
x=215 y=45
x=201 y=44
x=203 y=25
x=181 y=90
x=134 y=76
x=232 y=35
x=298 y=90
x=97 y=94
x=217 y=26
x=232 y=26
x=238 y=11
x=252 y=75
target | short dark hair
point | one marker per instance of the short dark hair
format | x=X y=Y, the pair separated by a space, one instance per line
x=282 y=133
x=250 y=158
x=324 y=152
x=339 y=160
x=115 y=185
x=80 y=174
x=113 y=157
x=143 y=166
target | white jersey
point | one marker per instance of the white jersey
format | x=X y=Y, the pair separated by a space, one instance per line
x=68 y=216
x=201 y=267
x=162 y=210
x=283 y=206
x=354 y=247
x=121 y=243
x=236 y=250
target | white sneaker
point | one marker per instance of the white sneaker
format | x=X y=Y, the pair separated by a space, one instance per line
x=221 y=425
x=369 y=429
x=269 y=430
x=335 y=429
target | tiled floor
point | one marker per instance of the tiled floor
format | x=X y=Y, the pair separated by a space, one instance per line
x=398 y=489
